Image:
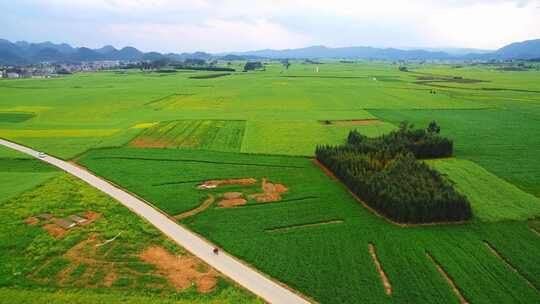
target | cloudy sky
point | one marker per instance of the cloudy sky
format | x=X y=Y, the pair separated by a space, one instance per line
x=234 y=25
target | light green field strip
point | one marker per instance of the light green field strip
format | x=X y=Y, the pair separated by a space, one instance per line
x=299 y=137
x=492 y=198
x=58 y=133
x=31 y=109
x=25 y=296
x=219 y=135
x=13 y=183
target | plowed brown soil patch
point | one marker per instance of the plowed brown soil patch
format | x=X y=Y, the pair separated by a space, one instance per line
x=384 y=278
x=266 y=197
x=180 y=270
x=142 y=142
x=269 y=187
x=54 y=230
x=352 y=122
x=228 y=203
x=226 y=182
x=91 y=216
x=32 y=220
x=85 y=251
x=232 y=195
x=110 y=278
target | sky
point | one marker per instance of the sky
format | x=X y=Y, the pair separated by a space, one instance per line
x=241 y=25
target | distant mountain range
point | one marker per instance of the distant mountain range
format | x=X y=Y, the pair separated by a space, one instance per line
x=23 y=52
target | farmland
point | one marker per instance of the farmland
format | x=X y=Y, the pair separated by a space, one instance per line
x=252 y=231
x=163 y=135
x=109 y=252
x=208 y=134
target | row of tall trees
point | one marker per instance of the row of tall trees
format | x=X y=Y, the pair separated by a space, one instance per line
x=394 y=182
x=423 y=143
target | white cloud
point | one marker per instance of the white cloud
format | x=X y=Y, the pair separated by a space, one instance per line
x=223 y=25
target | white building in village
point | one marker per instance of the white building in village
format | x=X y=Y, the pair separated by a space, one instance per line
x=13 y=75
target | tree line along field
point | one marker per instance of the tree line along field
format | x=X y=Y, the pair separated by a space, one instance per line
x=101 y=261
x=319 y=236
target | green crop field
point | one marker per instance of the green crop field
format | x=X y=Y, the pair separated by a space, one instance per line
x=19 y=173
x=205 y=134
x=37 y=267
x=66 y=268
x=492 y=198
x=160 y=135
x=332 y=251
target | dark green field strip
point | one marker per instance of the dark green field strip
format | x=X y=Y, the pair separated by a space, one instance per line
x=503 y=259
x=488 y=89
x=480 y=275
x=200 y=155
x=457 y=292
x=197 y=161
x=517 y=244
x=178 y=183
x=305 y=225
x=14 y=117
x=408 y=270
x=24 y=165
x=325 y=77
x=210 y=76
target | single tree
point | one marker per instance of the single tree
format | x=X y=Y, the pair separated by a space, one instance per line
x=433 y=128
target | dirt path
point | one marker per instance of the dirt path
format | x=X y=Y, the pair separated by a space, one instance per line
x=250 y=278
x=384 y=278
x=448 y=279
x=207 y=203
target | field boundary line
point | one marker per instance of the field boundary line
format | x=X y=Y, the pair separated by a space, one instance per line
x=277 y=203
x=507 y=263
x=384 y=278
x=448 y=279
x=242 y=273
x=297 y=226
x=200 y=161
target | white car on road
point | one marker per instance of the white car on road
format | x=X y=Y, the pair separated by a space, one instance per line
x=41 y=154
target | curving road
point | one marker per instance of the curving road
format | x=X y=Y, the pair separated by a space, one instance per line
x=249 y=278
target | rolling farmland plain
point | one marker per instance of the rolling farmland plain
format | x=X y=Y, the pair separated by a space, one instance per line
x=242 y=145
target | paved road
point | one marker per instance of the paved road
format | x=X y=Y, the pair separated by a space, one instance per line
x=226 y=264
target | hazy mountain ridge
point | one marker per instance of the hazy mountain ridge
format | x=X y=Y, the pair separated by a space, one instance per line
x=22 y=52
